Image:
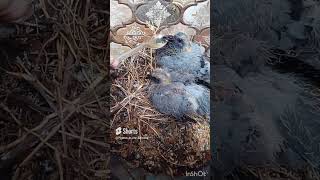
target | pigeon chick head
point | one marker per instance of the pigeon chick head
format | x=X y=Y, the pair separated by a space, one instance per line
x=182 y=36
x=161 y=76
x=179 y=40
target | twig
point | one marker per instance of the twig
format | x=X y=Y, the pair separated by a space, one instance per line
x=64 y=140
x=86 y=139
x=44 y=9
x=57 y=127
x=30 y=24
x=60 y=167
x=37 y=85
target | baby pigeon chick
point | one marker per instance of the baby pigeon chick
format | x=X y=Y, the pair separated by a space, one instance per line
x=177 y=99
x=182 y=56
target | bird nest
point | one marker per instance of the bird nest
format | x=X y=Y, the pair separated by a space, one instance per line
x=162 y=144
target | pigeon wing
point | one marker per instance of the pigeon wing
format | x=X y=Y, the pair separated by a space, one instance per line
x=202 y=96
x=171 y=100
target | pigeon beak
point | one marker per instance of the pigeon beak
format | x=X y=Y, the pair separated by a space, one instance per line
x=153 y=79
x=148 y=76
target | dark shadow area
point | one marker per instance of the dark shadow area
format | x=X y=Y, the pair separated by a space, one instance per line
x=267 y=90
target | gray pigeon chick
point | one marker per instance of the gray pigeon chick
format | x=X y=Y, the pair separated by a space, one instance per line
x=177 y=99
x=181 y=56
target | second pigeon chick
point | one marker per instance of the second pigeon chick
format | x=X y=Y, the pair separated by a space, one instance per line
x=177 y=99
x=184 y=57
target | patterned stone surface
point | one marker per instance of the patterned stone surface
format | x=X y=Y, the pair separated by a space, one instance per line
x=184 y=3
x=203 y=38
x=133 y=34
x=158 y=13
x=198 y=16
x=134 y=21
x=132 y=2
x=120 y=14
x=191 y=32
x=117 y=49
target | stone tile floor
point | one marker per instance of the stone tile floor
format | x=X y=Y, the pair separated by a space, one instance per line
x=132 y=21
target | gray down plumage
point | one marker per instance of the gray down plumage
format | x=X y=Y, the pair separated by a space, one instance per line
x=172 y=99
x=202 y=96
x=176 y=98
x=184 y=57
